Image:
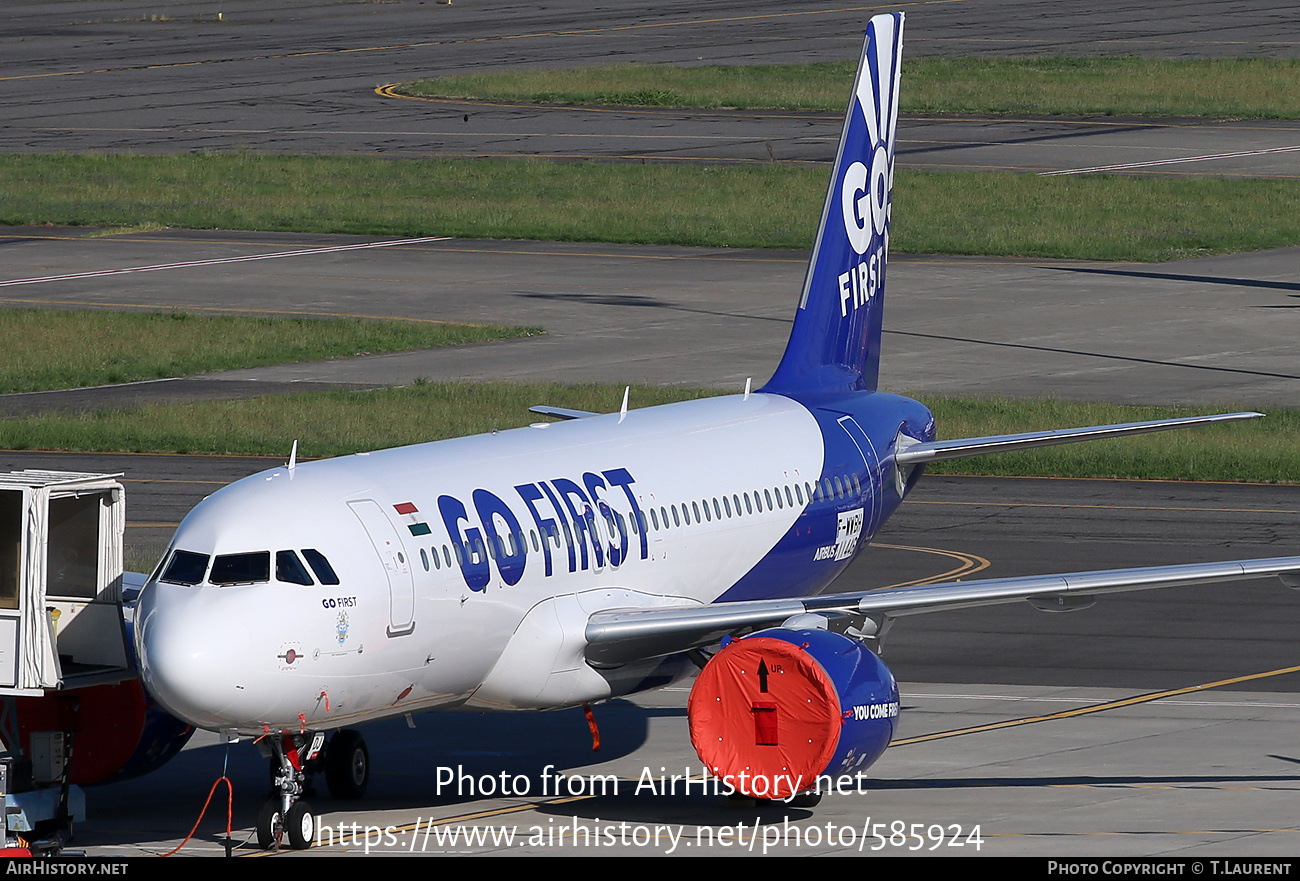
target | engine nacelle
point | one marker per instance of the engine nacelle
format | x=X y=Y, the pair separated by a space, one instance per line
x=118 y=731
x=771 y=713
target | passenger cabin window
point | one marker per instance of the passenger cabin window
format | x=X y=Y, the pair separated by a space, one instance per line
x=241 y=568
x=290 y=569
x=321 y=566
x=186 y=567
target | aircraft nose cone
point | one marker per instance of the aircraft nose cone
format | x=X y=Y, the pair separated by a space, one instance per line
x=186 y=654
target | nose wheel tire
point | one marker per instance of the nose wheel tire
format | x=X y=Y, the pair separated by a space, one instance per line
x=269 y=826
x=298 y=826
x=347 y=765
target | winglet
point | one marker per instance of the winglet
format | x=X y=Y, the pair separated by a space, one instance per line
x=561 y=412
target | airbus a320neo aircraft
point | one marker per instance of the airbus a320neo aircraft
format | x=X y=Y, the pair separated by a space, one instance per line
x=571 y=562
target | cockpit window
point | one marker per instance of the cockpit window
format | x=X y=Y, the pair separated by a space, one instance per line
x=158 y=568
x=186 y=567
x=289 y=568
x=321 y=566
x=241 y=568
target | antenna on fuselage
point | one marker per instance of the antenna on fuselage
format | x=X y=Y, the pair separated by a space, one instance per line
x=622 y=413
x=749 y=380
x=293 y=457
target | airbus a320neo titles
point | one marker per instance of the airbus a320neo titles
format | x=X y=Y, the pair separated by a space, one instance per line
x=572 y=562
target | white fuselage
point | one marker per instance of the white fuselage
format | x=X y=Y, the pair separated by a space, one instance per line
x=429 y=610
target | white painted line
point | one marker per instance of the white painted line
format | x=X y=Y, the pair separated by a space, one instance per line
x=1154 y=162
x=160 y=266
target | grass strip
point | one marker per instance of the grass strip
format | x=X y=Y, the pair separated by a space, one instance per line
x=1254 y=88
x=54 y=349
x=750 y=206
x=323 y=423
x=337 y=423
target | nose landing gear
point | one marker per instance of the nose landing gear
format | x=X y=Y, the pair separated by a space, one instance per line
x=346 y=763
x=285 y=813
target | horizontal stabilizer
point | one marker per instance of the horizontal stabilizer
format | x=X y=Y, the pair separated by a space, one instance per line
x=561 y=412
x=934 y=451
x=615 y=637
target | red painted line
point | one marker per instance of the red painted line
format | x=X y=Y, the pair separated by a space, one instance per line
x=1169 y=161
x=185 y=265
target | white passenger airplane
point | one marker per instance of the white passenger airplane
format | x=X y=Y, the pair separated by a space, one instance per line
x=568 y=563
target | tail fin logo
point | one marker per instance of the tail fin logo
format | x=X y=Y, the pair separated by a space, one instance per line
x=865 y=193
x=835 y=343
x=863 y=198
x=877 y=101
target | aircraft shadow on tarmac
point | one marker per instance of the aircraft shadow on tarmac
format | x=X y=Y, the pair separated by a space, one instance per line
x=1175 y=276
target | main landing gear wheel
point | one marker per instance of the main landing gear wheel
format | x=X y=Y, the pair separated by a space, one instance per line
x=347 y=765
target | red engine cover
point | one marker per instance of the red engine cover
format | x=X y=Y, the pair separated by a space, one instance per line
x=765 y=717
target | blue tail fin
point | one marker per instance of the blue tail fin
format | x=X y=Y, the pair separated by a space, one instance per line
x=835 y=343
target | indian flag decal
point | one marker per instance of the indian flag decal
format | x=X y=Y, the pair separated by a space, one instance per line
x=417 y=526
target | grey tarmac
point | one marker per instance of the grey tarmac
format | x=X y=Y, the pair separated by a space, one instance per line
x=292 y=77
x=1209 y=331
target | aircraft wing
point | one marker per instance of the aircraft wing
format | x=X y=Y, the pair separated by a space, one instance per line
x=917 y=453
x=620 y=636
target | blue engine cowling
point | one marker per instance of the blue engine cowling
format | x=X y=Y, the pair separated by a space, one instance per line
x=776 y=713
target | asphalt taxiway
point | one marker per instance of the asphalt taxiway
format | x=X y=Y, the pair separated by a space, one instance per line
x=1210 y=331
x=294 y=77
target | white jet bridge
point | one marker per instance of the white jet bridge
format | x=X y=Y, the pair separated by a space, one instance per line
x=61 y=622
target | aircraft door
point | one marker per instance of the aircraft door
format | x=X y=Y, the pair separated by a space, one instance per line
x=397 y=567
x=872 y=461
